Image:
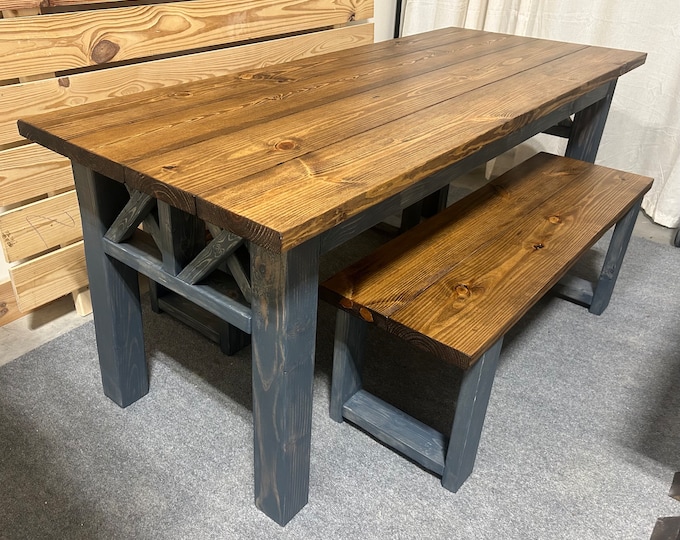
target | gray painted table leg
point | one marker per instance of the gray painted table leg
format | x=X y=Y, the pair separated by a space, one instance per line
x=114 y=289
x=284 y=310
x=584 y=142
x=468 y=421
x=587 y=129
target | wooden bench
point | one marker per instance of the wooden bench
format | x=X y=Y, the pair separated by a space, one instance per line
x=456 y=283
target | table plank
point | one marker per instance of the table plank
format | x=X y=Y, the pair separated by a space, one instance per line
x=297 y=129
x=336 y=184
x=204 y=122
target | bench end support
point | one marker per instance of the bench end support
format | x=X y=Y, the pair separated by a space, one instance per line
x=468 y=421
x=350 y=333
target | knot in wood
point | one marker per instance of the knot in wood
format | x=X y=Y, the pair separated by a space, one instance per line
x=555 y=219
x=104 y=51
x=8 y=239
x=285 y=145
x=64 y=82
x=264 y=76
x=538 y=246
x=462 y=290
x=346 y=303
x=169 y=167
x=365 y=314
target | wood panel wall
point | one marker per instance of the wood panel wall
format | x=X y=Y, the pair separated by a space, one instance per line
x=61 y=53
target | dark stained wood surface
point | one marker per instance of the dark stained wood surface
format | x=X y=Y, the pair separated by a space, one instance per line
x=490 y=256
x=281 y=154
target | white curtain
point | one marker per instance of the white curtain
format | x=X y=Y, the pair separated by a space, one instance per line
x=643 y=130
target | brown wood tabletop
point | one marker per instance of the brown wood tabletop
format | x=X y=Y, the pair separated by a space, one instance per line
x=281 y=154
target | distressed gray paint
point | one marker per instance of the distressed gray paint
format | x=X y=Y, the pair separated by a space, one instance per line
x=284 y=330
x=135 y=211
x=473 y=398
x=613 y=260
x=588 y=126
x=219 y=249
x=141 y=257
x=114 y=289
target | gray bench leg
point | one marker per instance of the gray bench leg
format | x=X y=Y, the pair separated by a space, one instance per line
x=595 y=295
x=397 y=429
x=613 y=260
x=469 y=418
x=348 y=353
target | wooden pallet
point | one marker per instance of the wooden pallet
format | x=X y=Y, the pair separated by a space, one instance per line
x=60 y=53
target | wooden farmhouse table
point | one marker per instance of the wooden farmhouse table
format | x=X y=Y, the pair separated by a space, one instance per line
x=293 y=160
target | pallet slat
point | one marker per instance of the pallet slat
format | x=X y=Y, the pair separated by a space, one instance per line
x=49 y=277
x=90 y=38
x=28 y=4
x=29 y=171
x=39 y=226
x=9 y=311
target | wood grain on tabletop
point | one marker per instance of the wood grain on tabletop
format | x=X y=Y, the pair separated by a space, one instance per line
x=316 y=98
x=331 y=132
x=491 y=254
x=336 y=183
x=312 y=122
x=262 y=87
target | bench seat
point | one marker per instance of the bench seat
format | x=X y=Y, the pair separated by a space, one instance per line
x=456 y=283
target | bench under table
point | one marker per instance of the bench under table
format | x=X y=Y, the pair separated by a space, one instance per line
x=455 y=284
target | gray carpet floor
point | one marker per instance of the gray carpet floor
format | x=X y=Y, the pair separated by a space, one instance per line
x=581 y=440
